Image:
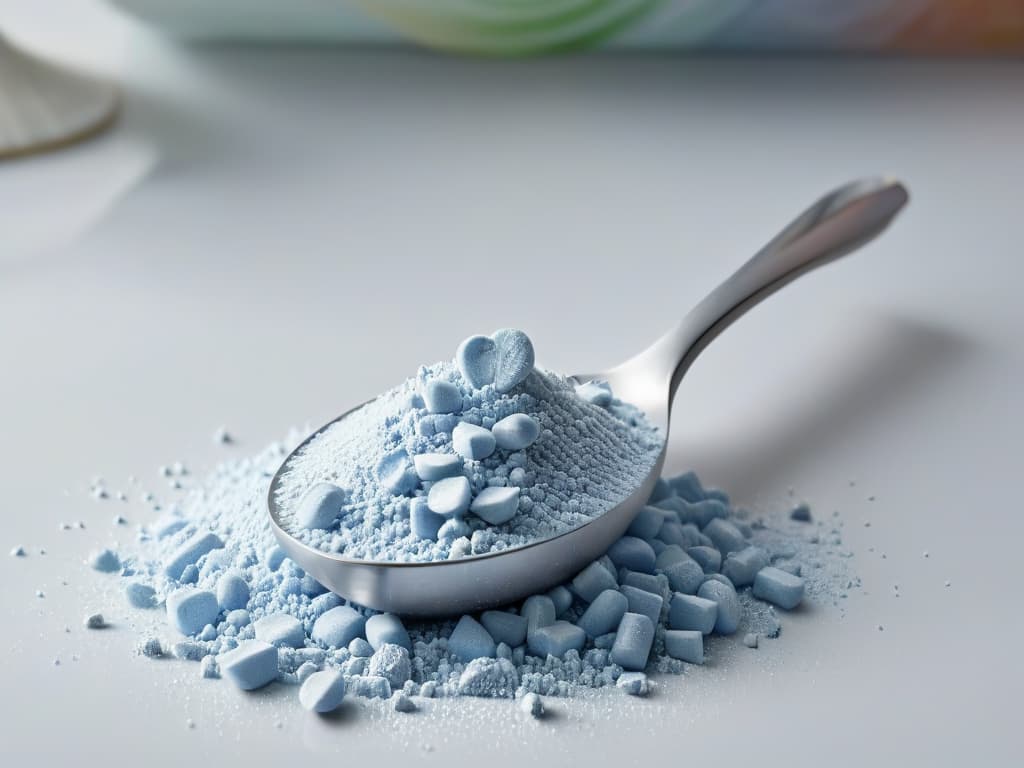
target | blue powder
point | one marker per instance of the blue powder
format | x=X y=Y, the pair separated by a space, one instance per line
x=416 y=658
x=554 y=461
x=105 y=560
x=615 y=614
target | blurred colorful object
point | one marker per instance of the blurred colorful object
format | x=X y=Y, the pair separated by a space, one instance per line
x=525 y=27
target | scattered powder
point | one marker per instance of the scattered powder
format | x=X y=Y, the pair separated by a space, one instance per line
x=228 y=507
x=658 y=603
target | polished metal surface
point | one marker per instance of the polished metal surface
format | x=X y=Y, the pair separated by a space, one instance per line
x=837 y=224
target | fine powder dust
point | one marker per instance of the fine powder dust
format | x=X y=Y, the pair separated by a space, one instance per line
x=230 y=503
x=586 y=460
x=691 y=572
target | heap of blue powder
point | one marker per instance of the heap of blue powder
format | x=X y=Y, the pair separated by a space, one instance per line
x=563 y=455
x=690 y=568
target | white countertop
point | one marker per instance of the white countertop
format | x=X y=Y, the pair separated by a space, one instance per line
x=270 y=235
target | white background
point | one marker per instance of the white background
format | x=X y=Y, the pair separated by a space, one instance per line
x=272 y=235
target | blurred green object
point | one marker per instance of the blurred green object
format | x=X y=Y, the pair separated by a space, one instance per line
x=528 y=27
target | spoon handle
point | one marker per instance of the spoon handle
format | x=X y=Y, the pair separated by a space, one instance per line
x=837 y=224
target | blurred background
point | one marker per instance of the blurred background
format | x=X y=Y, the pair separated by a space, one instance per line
x=255 y=213
x=68 y=68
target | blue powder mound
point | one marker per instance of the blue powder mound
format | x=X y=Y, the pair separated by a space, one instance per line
x=468 y=457
x=416 y=659
x=568 y=459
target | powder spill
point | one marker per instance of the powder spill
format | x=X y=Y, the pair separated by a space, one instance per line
x=690 y=566
x=610 y=626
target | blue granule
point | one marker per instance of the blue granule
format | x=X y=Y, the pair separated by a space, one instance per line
x=241 y=610
x=151 y=647
x=499 y=466
x=105 y=560
x=253 y=616
x=801 y=512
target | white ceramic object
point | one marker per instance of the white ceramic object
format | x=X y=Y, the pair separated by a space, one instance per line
x=45 y=105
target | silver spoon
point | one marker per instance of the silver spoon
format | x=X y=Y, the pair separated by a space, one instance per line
x=837 y=224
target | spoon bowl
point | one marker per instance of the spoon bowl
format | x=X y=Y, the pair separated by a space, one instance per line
x=837 y=224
